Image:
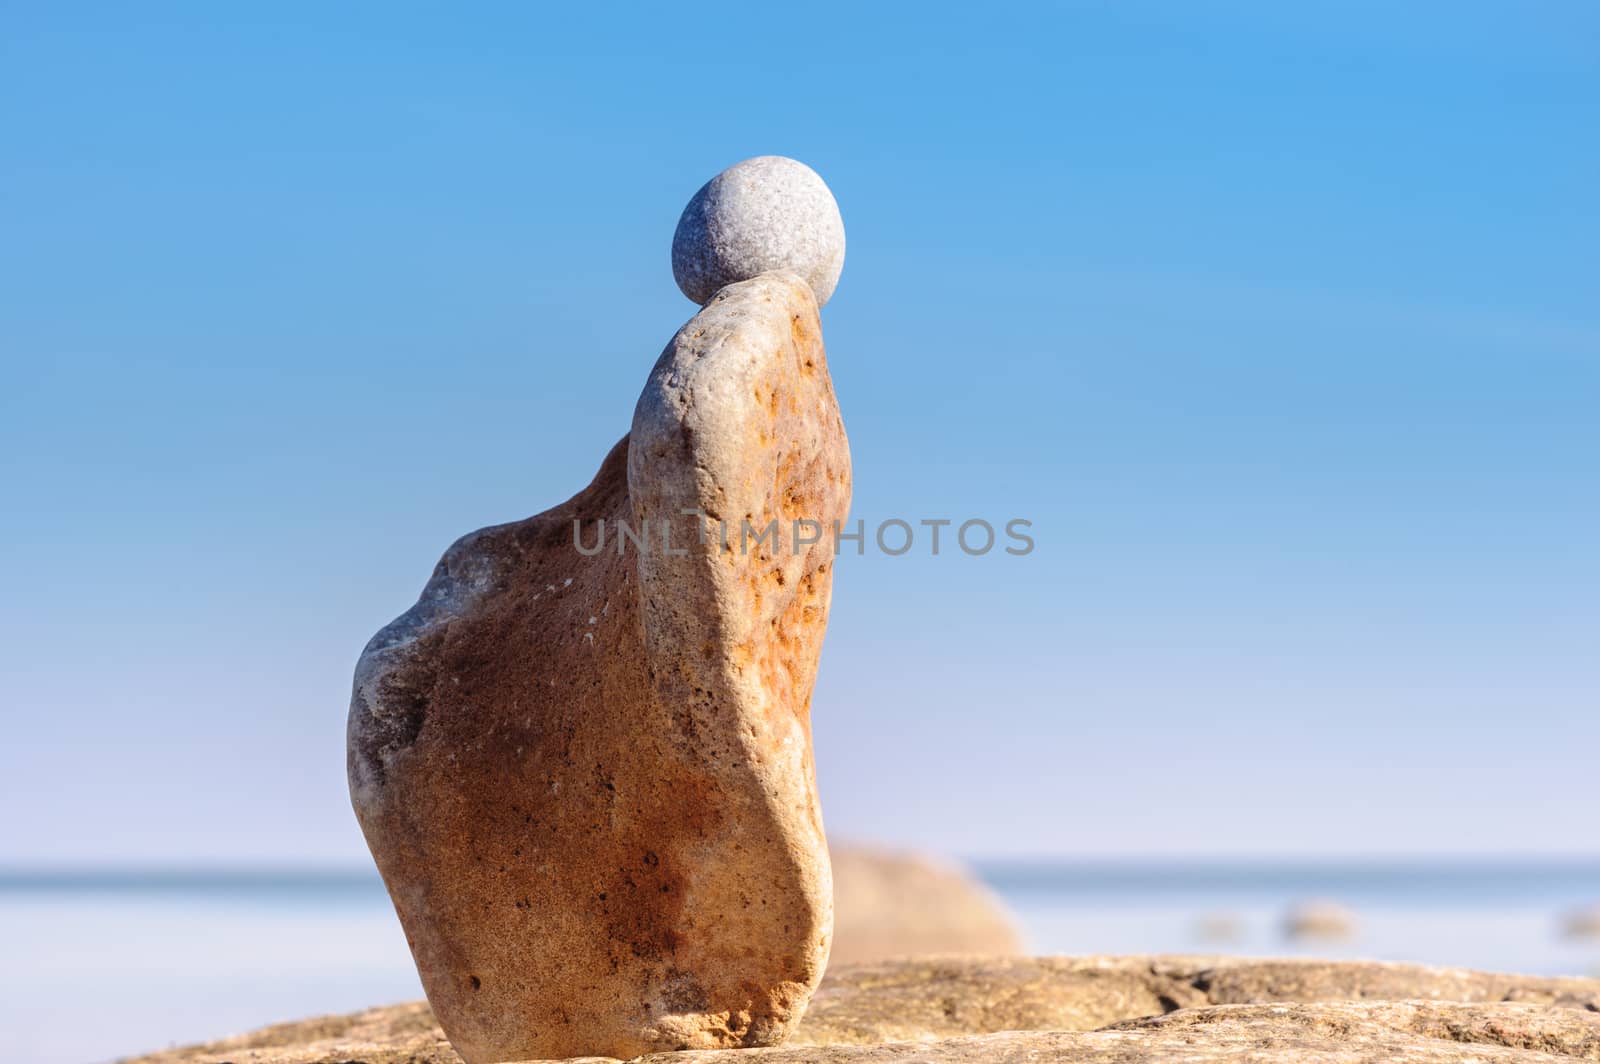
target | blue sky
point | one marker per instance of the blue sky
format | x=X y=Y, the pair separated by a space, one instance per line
x=1280 y=322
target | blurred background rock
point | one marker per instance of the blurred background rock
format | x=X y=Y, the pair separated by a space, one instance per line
x=889 y=903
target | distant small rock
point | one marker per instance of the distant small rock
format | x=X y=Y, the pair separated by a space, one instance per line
x=1319 y=920
x=1218 y=927
x=1583 y=923
x=767 y=213
x=896 y=905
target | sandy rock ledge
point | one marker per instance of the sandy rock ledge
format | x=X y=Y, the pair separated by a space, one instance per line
x=1073 y=1009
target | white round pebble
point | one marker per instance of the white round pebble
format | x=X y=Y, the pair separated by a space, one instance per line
x=766 y=213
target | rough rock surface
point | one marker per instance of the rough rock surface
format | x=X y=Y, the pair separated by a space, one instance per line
x=587 y=780
x=1077 y=1009
x=767 y=213
x=888 y=904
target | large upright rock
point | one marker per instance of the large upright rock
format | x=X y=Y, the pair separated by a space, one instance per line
x=587 y=778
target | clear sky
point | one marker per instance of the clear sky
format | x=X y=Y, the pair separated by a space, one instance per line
x=1281 y=322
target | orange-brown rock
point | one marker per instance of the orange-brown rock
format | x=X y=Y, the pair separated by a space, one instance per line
x=586 y=776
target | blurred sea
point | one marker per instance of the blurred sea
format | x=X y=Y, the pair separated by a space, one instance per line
x=104 y=964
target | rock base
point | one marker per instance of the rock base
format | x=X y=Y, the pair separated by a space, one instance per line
x=1074 y=1009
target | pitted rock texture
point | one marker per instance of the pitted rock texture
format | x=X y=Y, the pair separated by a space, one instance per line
x=587 y=779
x=764 y=214
x=1078 y=1009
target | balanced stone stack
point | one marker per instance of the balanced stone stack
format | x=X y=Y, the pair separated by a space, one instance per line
x=583 y=759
